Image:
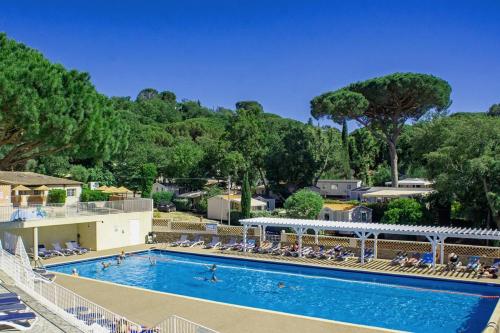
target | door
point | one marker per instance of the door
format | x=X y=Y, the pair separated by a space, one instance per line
x=135 y=232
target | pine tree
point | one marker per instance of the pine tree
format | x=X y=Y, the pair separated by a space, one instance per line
x=246 y=198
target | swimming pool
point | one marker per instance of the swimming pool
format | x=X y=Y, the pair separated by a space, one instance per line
x=394 y=302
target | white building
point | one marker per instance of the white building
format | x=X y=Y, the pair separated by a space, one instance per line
x=337 y=187
x=382 y=194
x=345 y=212
x=271 y=202
x=413 y=183
x=218 y=206
x=159 y=187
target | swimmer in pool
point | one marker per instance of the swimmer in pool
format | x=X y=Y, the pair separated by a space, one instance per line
x=281 y=285
x=105 y=265
x=74 y=272
x=214 y=278
x=212 y=268
x=152 y=261
x=118 y=261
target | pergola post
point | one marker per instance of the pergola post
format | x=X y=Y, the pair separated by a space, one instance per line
x=375 y=247
x=35 y=244
x=441 y=250
x=263 y=234
x=363 y=235
x=316 y=236
x=434 y=240
x=245 y=229
x=299 y=232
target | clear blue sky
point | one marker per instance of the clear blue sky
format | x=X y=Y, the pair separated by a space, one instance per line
x=280 y=53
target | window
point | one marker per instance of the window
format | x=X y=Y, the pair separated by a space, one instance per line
x=348 y=186
x=334 y=187
x=70 y=192
x=327 y=217
x=364 y=217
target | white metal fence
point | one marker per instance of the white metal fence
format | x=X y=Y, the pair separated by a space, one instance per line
x=38 y=212
x=78 y=311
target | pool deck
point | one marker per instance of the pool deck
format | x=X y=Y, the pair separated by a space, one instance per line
x=150 y=307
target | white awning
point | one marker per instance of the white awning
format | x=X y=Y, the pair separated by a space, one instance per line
x=375 y=228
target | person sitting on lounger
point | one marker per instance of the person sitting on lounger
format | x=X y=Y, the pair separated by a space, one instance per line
x=74 y=272
x=453 y=262
x=410 y=262
x=488 y=272
x=105 y=265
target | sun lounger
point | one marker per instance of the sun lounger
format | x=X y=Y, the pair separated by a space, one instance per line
x=368 y=255
x=268 y=248
x=182 y=240
x=213 y=243
x=77 y=247
x=276 y=250
x=496 y=263
x=473 y=264
x=263 y=247
x=64 y=251
x=197 y=241
x=73 y=246
x=399 y=258
x=453 y=265
x=10 y=300
x=232 y=242
x=12 y=307
x=44 y=252
x=426 y=260
x=412 y=261
x=8 y=295
x=248 y=246
x=18 y=320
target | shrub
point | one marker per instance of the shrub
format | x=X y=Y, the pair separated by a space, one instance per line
x=57 y=196
x=162 y=197
x=378 y=210
x=261 y=213
x=304 y=204
x=93 y=195
x=181 y=204
x=403 y=211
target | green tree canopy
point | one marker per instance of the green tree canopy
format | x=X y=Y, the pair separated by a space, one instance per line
x=45 y=109
x=385 y=104
x=403 y=211
x=304 y=204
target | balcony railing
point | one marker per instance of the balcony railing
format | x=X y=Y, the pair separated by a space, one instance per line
x=51 y=211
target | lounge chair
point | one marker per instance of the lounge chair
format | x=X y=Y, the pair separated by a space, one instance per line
x=412 y=261
x=473 y=264
x=182 y=240
x=399 y=258
x=248 y=246
x=263 y=247
x=496 y=263
x=64 y=251
x=231 y=244
x=18 y=320
x=43 y=252
x=8 y=295
x=269 y=249
x=368 y=256
x=426 y=260
x=12 y=307
x=197 y=241
x=276 y=250
x=75 y=248
x=213 y=243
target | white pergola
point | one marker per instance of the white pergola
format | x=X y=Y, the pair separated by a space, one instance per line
x=435 y=235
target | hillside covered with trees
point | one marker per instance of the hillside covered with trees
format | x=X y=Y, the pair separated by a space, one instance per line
x=53 y=121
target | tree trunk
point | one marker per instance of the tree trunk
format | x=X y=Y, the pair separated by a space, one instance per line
x=394 y=163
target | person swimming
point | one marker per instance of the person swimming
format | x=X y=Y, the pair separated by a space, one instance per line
x=118 y=260
x=281 y=285
x=212 y=268
x=105 y=265
x=214 y=278
x=152 y=261
x=122 y=255
x=74 y=272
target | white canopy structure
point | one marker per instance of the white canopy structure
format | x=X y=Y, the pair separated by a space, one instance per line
x=435 y=235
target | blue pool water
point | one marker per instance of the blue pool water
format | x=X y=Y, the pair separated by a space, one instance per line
x=395 y=302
